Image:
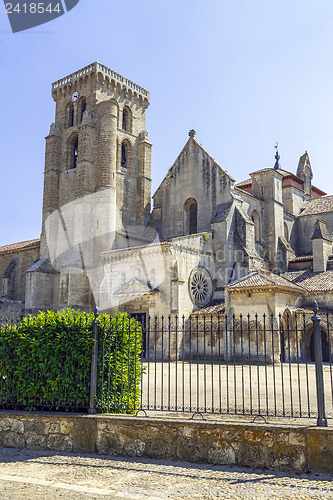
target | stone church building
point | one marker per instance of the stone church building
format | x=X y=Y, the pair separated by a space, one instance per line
x=207 y=243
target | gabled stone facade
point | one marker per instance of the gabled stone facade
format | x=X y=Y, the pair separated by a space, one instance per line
x=102 y=244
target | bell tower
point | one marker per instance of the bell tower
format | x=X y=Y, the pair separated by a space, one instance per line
x=97 y=181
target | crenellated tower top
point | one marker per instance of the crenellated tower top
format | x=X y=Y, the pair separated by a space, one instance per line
x=102 y=75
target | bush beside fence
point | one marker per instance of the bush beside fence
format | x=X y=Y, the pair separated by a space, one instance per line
x=45 y=362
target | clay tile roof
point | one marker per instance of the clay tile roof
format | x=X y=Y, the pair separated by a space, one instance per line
x=263 y=170
x=248 y=182
x=303 y=258
x=263 y=279
x=307 y=310
x=213 y=309
x=23 y=245
x=290 y=276
x=318 y=206
x=311 y=281
x=285 y=173
x=303 y=310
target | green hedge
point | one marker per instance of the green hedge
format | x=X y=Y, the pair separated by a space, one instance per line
x=120 y=345
x=45 y=361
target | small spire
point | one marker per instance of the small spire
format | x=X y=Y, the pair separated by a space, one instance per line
x=192 y=133
x=277 y=157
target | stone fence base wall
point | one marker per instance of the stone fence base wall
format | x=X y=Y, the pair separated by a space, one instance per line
x=283 y=447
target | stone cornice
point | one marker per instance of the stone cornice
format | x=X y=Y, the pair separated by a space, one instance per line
x=265 y=289
x=121 y=254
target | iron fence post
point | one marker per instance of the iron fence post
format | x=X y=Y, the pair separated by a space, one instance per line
x=321 y=420
x=94 y=360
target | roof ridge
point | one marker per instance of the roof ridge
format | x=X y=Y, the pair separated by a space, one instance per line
x=269 y=278
x=19 y=245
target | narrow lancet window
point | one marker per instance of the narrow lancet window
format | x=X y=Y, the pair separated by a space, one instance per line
x=123 y=156
x=193 y=218
x=83 y=107
x=125 y=119
x=126 y=124
x=70 y=115
x=75 y=152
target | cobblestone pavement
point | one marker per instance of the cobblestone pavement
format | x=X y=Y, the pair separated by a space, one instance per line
x=38 y=475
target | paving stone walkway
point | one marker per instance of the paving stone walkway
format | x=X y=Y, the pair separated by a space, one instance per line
x=37 y=475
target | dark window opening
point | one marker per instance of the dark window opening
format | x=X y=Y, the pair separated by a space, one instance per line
x=75 y=152
x=70 y=116
x=193 y=215
x=123 y=156
x=125 y=123
x=83 y=108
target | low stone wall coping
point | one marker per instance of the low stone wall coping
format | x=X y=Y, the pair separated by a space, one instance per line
x=269 y=446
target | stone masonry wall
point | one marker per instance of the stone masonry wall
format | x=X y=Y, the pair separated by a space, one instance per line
x=25 y=259
x=193 y=175
x=11 y=311
x=282 y=447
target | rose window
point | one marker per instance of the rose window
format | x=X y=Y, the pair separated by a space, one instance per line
x=200 y=286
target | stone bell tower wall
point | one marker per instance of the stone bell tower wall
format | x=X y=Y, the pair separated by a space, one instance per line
x=97 y=177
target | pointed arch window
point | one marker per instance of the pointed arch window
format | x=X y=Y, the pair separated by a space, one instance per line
x=127 y=120
x=191 y=216
x=125 y=155
x=70 y=115
x=73 y=151
x=82 y=108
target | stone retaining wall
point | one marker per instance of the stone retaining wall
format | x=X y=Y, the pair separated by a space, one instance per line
x=283 y=447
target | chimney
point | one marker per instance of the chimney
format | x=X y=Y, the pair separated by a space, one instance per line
x=321 y=246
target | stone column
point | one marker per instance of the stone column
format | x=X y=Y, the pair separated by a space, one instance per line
x=104 y=206
x=107 y=114
x=85 y=164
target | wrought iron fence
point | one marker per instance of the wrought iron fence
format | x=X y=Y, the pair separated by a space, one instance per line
x=236 y=365
x=263 y=366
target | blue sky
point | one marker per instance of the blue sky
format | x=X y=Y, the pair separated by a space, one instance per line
x=242 y=74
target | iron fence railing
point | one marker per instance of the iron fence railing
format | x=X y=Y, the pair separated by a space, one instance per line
x=237 y=365
x=259 y=366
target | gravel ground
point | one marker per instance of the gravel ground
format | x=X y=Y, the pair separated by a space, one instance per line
x=38 y=475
